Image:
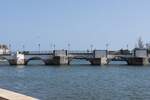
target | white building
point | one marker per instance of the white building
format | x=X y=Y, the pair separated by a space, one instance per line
x=4 y=49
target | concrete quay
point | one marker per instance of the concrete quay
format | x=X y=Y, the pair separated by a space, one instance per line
x=10 y=95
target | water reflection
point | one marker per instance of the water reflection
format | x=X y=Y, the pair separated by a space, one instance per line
x=78 y=82
x=20 y=66
x=36 y=62
x=80 y=62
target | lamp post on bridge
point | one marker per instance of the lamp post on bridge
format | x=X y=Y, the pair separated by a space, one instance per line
x=107 y=46
x=69 y=46
x=39 y=47
x=91 y=46
x=9 y=48
x=127 y=47
x=54 y=46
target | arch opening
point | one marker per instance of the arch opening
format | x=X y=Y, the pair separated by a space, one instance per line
x=75 y=61
x=118 y=62
x=35 y=61
x=4 y=61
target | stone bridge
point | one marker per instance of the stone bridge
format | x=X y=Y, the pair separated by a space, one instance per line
x=60 y=57
x=56 y=57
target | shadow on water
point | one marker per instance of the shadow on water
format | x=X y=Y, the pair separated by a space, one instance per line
x=118 y=63
x=73 y=63
x=35 y=63
x=79 y=62
x=4 y=63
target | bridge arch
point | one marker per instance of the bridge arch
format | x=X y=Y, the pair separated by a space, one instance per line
x=34 y=58
x=4 y=59
x=76 y=60
x=118 y=60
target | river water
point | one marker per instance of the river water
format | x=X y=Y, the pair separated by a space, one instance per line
x=78 y=82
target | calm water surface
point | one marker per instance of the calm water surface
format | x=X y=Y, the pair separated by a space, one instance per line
x=78 y=82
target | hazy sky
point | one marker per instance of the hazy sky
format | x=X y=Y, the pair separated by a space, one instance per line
x=78 y=22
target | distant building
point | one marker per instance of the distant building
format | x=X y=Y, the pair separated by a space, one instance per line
x=120 y=52
x=147 y=45
x=4 y=49
x=140 y=43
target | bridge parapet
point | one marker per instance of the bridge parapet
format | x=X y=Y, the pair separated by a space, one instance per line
x=81 y=55
x=100 y=53
x=60 y=53
x=36 y=52
x=80 y=51
x=100 y=57
x=142 y=53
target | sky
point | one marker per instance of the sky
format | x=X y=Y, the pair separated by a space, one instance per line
x=80 y=23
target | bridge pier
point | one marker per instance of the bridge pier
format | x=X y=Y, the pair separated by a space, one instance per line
x=100 y=57
x=16 y=62
x=99 y=61
x=60 y=60
x=60 y=57
x=140 y=57
x=20 y=59
x=138 y=61
x=17 y=59
x=48 y=62
x=21 y=62
x=12 y=62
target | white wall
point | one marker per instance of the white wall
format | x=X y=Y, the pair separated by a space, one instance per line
x=141 y=53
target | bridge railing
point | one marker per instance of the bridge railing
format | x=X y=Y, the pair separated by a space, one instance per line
x=5 y=53
x=80 y=51
x=80 y=54
x=36 y=52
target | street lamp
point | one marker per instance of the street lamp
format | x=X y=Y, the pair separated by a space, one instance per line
x=39 y=46
x=91 y=46
x=9 y=46
x=69 y=46
x=127 y=46
x=54 y=46
x=107 y=46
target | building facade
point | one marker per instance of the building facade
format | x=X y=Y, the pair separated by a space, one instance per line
x=4 y=49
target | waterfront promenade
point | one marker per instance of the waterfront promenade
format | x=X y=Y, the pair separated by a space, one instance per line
x=10 y=95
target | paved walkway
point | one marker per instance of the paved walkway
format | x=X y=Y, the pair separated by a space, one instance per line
x=10 y=95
